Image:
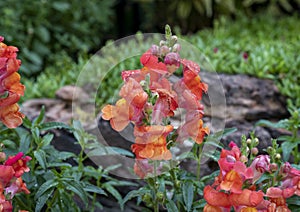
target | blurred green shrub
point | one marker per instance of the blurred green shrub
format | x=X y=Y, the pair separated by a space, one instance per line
x=192 y=15
x=44 y=28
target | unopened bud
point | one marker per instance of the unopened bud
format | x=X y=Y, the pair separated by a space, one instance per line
x=176 y=48
x=174 y=38
x=273 y=167
x=172 y=58
x=248 y=141
x=154 y=50
x=162 y=43
x=243 y=159
x=2 y=156
x=256 y=141
x=164 y=50
x=269 y=149
x=254 y=151
x=278 y=156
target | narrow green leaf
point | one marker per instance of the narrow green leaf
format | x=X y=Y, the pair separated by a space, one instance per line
x=27 y=123
x=94 y=189
x=59 y=165
x=280 y=124
x=131 y=195
x=77 y=188
x=45 y=187
x=40 y=155
x=171 y=206
x=54 y=125
x=47 y=139
x=40 y=119
x=188 y=194
x=41 y=201
x=113 y=192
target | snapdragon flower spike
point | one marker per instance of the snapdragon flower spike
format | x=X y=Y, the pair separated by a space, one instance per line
x=10 y=87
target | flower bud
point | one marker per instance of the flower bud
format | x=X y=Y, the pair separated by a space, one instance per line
x=172 y=58
x=256 y=141
x=164 y=50
x=162 y=43
x=154 y=50
x=248 y=141
x=273 y=167
x=243 y=159
x=174 y=38
x=254 y=151
x=176 y=47
x=278 y=156
x=2 y=156
x=269 y=149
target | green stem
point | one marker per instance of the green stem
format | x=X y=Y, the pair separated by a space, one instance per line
x=52 y=201
x=295 y=151
x=155 y=203
x=199 y=153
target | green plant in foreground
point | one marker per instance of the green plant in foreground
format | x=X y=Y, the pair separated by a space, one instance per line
x=58 y=179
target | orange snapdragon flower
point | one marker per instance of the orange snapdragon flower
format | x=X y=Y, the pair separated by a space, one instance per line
x=150 y=142
x=191 y=78
x=10 y=87
x=119 y=115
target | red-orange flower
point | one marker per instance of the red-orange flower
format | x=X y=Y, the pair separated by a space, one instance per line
x=193 y=128
x=18 y=162
x=10 y=87
x=232 y=182
x=119 y=115
x=216 y=198
x=134 y=94
x=151 y=142
x=191 y=78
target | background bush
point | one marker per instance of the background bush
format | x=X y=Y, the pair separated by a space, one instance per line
x=42 y=29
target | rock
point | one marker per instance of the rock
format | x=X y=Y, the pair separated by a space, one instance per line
x=71 y=93
x=247 y=98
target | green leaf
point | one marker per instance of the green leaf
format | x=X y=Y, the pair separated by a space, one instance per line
x=61 y=6
x=133 y=194
x=40 y=202
x=43 y=34
x=287 y=148
x=100 y=151
x=25 y=140
x=188 y=194
x=94 y=189
x=47 y=139
x=45 y=187
x=77 y=188
x=40 y=155
x=113 y=192
x=280 y=124
x=65 y=155
x=27 y=123
x=171 y=206
x=40 y=119
x=54 y=125
x=60 y=164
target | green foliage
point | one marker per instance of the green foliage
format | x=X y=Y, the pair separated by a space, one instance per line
x=56 y=184
x=42 y=29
